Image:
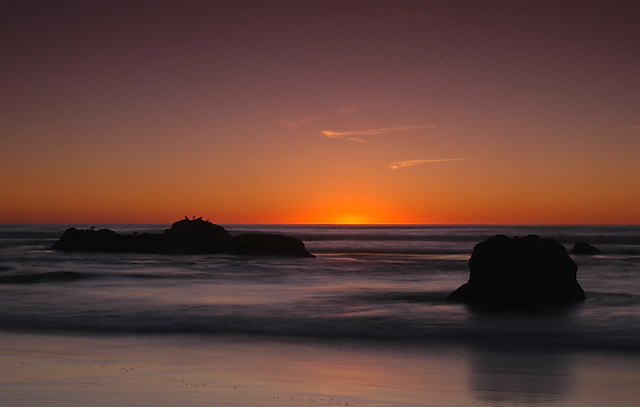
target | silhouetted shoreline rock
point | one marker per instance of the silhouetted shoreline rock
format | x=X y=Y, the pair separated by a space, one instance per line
x=186 y=236
x=520 y=272
x=584 y=248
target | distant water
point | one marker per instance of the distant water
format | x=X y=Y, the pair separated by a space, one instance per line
x=380 y=283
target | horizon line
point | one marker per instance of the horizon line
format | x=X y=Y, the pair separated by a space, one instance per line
x=334 y=224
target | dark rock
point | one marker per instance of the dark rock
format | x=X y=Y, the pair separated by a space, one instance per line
x=78 y=240
x=584 y=248
x=186 y=236
x=197 y=236
x=527 y=271
x=264 y=244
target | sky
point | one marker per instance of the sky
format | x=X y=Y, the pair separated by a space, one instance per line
x=426 y=112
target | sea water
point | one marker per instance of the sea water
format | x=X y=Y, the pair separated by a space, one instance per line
x=365 y=322
x=366 y=283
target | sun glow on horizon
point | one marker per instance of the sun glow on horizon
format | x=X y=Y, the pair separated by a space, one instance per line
x=352 y=219
x=356 y=216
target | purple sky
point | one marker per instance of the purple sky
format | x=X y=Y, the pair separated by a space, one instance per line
x=327 y=111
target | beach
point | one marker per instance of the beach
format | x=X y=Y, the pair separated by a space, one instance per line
x=365 y=323
x=39 y=370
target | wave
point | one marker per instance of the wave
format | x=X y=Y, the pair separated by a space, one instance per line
x=392 y=250
x=432 y=298
x=614 y=299
x=45 y=277
x=553 y=332
x=450 y=233
x=73 y=276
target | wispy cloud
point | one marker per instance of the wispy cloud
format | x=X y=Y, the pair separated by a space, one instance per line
x=344 y=136
x=633 y=127
x=347 y=110
x=353 y=135
x=300 y=122
x=400 y=164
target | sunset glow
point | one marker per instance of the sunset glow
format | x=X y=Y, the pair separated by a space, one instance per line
x=352 y=220
x=320 y=112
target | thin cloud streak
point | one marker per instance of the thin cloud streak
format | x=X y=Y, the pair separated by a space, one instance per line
x=400 y=164
x=348 y=134
x=633 y=127
x=298 y=123
x=331 y=134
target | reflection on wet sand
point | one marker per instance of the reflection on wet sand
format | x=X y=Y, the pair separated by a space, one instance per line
x=75 y=371
x=524 y=378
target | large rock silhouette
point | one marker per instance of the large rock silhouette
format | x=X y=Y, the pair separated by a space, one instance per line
x=186 y=236
x=515 y=272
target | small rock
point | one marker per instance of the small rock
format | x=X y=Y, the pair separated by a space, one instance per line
x=584 y=248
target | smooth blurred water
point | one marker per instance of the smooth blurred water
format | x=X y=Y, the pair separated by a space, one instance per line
x=382 y=283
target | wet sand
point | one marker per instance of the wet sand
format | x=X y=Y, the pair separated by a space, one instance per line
x=45 y=370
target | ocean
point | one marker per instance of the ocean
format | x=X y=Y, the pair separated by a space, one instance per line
x=384 y=284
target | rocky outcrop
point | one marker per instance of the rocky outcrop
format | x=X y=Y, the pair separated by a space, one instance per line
x=186 y=236
x=514 y=272
x=584 y=248
x=197 y=236
x=105 y=240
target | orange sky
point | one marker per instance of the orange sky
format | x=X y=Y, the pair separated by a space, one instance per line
x=326 y=112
